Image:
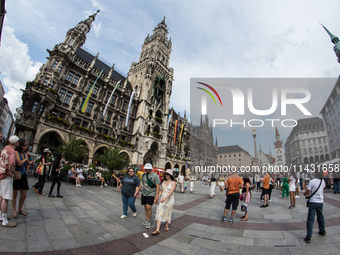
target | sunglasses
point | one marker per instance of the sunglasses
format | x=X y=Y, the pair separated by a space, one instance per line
x=166 y=174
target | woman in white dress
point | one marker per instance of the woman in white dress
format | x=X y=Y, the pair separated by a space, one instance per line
x=167 y=201
x=192 y=183
x=80 y=178
x=212 y=185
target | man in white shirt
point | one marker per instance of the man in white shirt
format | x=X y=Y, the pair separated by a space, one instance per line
x=315 y=205
x=181 y=183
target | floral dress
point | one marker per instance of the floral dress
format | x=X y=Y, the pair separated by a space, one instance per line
x=164 y=210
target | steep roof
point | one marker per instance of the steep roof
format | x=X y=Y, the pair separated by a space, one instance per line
x=230 y=149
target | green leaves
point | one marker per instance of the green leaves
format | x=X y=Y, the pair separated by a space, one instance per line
x=73 y=149
x=113 y=159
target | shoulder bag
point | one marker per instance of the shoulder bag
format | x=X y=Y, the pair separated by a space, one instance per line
x=309 y=197
x=149 y=182
x=17 y=174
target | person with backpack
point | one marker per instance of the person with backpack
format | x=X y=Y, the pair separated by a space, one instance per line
x=150 y=192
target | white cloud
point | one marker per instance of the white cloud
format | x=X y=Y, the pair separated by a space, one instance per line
x=16 y=66
x=96 y=4
x=97 y=28
x=227 y=39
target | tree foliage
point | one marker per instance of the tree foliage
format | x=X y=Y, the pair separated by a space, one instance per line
x=73 y=149
x=113 y=159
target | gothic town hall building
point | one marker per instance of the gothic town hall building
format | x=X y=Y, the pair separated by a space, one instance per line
x=52 y=103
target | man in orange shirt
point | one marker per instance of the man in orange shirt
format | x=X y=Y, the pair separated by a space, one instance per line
x=265 y=181
x=233 y=185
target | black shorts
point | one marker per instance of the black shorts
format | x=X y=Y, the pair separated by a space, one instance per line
x=147 y=200
x=232 y=199
x=21 y=184
x=265 y=191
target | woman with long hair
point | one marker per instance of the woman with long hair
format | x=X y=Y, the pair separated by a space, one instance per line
x=129 y=188
x=246 y=196
x=221 y=181
x=292 y=189
x=72 y=173
x=22 y=160
x=38 y=187
x=212 y=185
x=167 y=201
x=55 y=176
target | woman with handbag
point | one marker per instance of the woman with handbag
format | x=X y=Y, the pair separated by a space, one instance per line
x=38 y=187
x=20 y=178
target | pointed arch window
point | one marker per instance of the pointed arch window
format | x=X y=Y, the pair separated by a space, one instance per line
x=70 y=41
x=55 y=65
x=34 y=107
x=60 y=68
x=41 y=109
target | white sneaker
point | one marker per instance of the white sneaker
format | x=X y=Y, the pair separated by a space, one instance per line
x=123 y=216
x=105 y=185
x=134 y=214
x=101 y=186
x=297 y=196
x=77 y=185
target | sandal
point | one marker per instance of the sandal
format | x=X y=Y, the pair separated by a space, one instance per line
x=166 y=228
x=244 y=219
x=14 y=215
x=156 y=232
x=22 y=213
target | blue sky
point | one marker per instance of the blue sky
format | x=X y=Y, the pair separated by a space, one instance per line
x=226 y=39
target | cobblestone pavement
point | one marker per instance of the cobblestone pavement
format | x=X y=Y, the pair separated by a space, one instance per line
x=87 y=221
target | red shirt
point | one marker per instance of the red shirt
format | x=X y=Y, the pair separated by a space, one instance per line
x=7 y=157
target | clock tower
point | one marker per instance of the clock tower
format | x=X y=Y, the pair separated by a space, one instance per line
x=279 y=151
x=151 y=78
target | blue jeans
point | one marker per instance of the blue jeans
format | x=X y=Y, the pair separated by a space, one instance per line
x=315 y=207
x=128 y=201
x=336 y=186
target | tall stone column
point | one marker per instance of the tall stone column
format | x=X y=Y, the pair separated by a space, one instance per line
x=255 y=147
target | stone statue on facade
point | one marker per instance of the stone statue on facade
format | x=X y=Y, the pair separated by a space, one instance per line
x=94 y=126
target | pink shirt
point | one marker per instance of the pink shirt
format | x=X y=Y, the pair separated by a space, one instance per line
x=7 y=157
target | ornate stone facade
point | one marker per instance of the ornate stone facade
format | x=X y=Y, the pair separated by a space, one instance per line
x=52 y=102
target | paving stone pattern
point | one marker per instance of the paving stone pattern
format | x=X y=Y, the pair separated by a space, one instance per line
x=87 y=221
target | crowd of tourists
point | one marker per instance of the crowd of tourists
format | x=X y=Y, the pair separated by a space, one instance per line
x=15 y=161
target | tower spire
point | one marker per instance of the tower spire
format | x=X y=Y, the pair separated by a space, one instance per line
x=335 y=41
x=276 y=132
x=91 y=18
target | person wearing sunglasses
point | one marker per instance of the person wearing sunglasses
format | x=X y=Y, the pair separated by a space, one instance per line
x=21 y=184
x=167 y=201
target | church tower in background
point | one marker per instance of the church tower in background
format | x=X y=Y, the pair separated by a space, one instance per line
x=279 y=150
